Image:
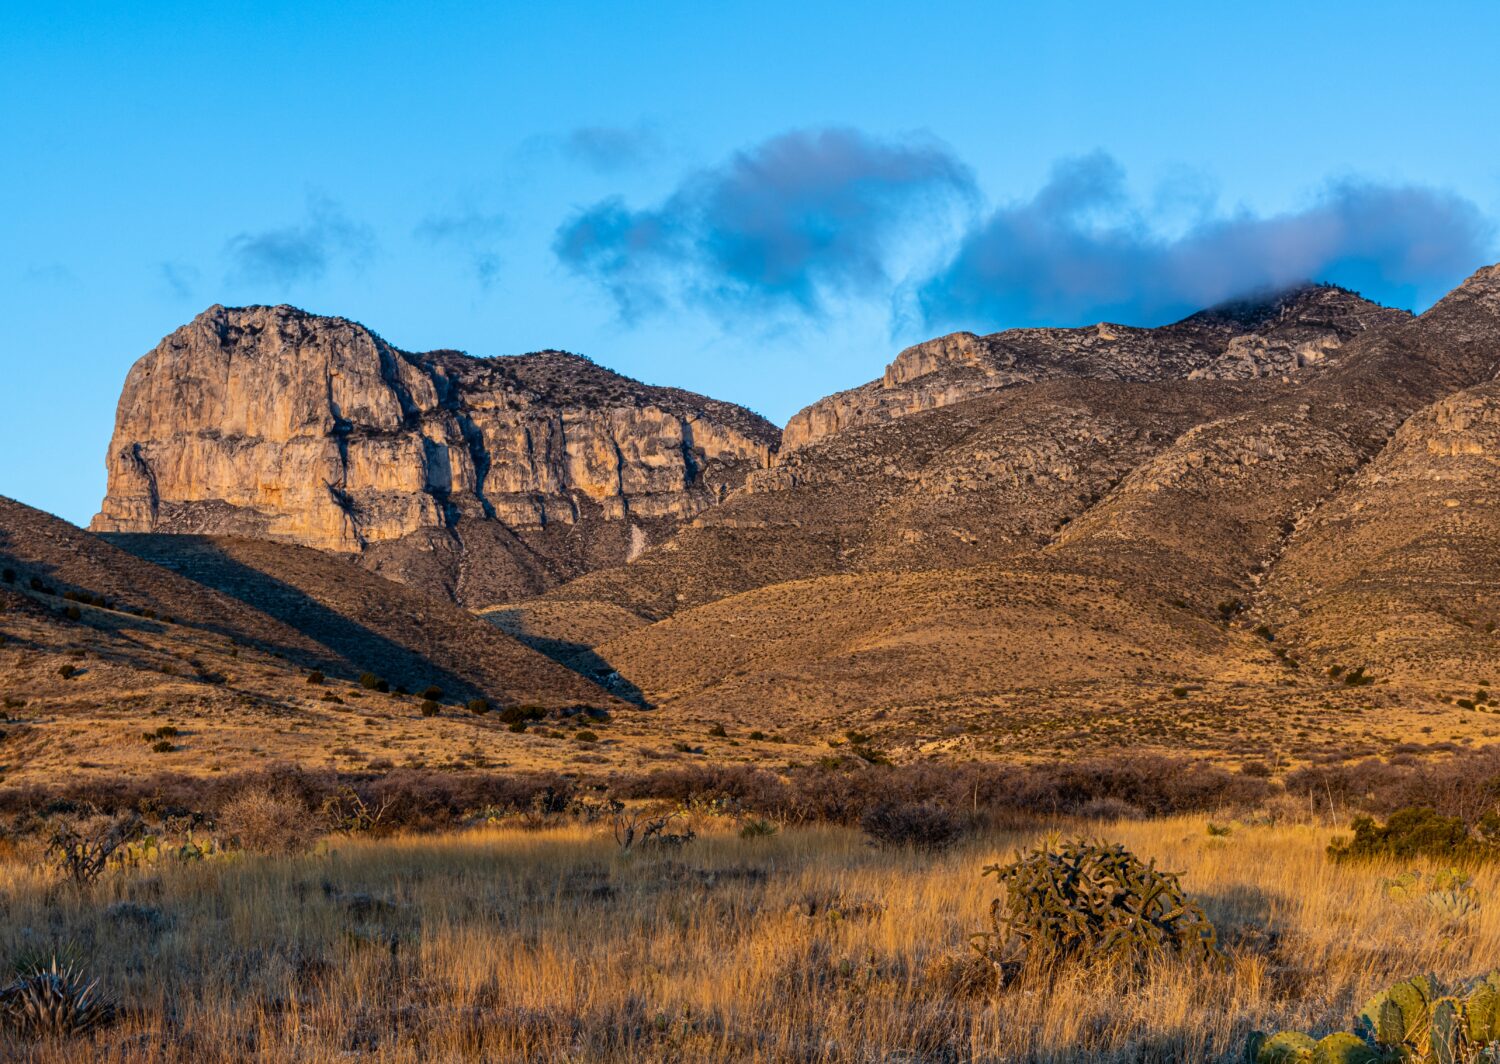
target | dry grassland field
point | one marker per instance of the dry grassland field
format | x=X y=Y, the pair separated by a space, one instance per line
x=538 y=938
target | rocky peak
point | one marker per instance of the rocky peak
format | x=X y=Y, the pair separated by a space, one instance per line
x=277 y=423
x=1472 y=305
x=1305 y=302
x=1269 y=335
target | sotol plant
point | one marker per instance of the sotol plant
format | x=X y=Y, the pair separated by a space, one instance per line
x=54 y=1001
x=1414 y=1022
x=1085 y=899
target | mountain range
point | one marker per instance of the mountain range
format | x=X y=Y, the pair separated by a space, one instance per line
x=1267 y=531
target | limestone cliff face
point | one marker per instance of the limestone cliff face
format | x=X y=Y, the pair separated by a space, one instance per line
x=271 y=422
x=1270 y=337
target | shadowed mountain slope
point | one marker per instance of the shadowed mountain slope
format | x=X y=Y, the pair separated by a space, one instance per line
x=43 y=549
x=309 y=609
x=235 y=655
x=400 y=634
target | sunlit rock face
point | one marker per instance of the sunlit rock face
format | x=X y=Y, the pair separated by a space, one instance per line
x=275 y=423
x=1274 y=335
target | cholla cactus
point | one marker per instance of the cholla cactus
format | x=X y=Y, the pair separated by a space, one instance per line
x=53 y=1002
x=1089 y=899
x=1413 y=1022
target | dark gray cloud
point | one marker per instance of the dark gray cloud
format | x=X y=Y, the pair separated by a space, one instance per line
x=472 y=234
x=1080 y=251
x=302 y=252
x=610 y=149
x=786 y=224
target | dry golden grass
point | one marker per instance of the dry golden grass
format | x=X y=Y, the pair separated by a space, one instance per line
x=238 y=708
x=500 y=944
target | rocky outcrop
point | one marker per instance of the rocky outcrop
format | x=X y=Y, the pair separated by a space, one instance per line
x=1274 y=336
x=274 y=423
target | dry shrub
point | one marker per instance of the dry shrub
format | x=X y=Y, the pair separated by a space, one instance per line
x=741 y=785
x=962 y=975
x=1465 y=784
x=266 y=821
x=926 y=826
x=82 y=847
x=1150 y=785
x=1109 y=809
x=431 y=799
x=416 y=799
x=634 y=828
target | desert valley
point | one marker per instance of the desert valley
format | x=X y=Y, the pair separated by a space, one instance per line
x=784 y=533
x=642 y=650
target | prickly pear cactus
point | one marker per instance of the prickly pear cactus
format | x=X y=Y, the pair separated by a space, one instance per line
x=1415 y=1021
x=1399 y=1015
x=1408 y=886
x=1089 y=899
x=1291 y=1047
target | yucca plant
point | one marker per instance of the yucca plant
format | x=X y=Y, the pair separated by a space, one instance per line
x=55 y=1000
x=1417 y=1021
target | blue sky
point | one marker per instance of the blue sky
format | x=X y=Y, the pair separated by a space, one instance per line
x=762 y=202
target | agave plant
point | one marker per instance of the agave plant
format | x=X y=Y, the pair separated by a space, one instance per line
x=1453 y=907
x=1449 y=895
x=1414 y=1022
x=54 y=1001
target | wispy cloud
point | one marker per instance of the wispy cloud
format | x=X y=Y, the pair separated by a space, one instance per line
x=180 y=279
x=301 y=252
x=472 y=234
x=610 y=149
x=786 y=224
x=1081 y=250
x=49 y=273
